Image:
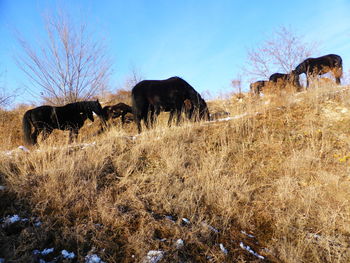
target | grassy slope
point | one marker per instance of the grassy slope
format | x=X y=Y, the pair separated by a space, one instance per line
x=281 y=173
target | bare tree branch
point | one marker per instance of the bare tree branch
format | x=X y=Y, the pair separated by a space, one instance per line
x=5 y=97
x=280 y=53
x=70 y=66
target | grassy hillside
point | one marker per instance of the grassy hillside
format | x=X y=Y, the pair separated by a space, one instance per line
x=275 y=177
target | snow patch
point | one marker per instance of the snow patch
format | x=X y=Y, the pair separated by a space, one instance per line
x=23 y=148
x=93 y=259
x=45 y=251
x=153 y=256
x=250 y=250
x=223 y=249
x=66 y=254
x=37 y=223
x=179 y=243
x=185 y=220
x=245 y=233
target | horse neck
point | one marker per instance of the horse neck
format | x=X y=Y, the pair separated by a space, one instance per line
x=86 y=106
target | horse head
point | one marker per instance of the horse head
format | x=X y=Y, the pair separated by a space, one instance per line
x=97 y=108
x=203 y=110
x=107 y=112
x=197 y=105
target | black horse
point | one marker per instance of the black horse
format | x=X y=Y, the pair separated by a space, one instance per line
x=174 y=95
x=321 y=65
x=117 y=110
x=284 y=79
x=70 y=117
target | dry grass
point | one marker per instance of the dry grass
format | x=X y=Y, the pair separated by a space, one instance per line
x=279 y=172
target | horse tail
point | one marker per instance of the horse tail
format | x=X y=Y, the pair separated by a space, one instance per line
x=27 y=128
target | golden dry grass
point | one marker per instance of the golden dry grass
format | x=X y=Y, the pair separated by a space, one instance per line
x=279 y=171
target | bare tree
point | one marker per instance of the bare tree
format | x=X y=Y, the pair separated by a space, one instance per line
x=69 y=66
x=134 y=78
x=280 y=53
x=5 y=96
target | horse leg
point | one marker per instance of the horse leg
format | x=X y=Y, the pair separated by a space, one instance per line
x=307 y=81
x=337 y=77
x=151 y=118
x=34 y=136
x=123 y=118
x=178 y=115
x=138 y=122
x=337 y=72
x=171 y=115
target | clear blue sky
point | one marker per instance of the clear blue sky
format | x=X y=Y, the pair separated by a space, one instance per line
x=205 y=42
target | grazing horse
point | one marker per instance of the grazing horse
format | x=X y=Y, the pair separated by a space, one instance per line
x=257 y=86
x=120 y=109
x=174 y=95
x=321 y=65
x=284 y=79
x=70 y=117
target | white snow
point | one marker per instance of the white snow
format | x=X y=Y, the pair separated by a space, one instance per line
x=223 y=249
x=250 y=250
x=185 y=220
x=153 y=256
x=44 y=252
x=210 y=227
x=179 y=243
x=14 y=219
x=23 y=148
x=93 y=259
x=245 y=233
x=47 y=251
x=11 y=219
x=67 y=254
x=37 y=223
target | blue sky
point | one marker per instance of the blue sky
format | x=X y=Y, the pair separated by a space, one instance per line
x=205 y=42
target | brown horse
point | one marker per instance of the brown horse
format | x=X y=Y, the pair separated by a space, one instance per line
x=257 y=87
x=284 y=79
x=117 y=110
x=313 y=67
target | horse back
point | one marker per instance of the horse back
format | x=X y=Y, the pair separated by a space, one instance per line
x=162 y=92
x=69 y=116
x=325 y=62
